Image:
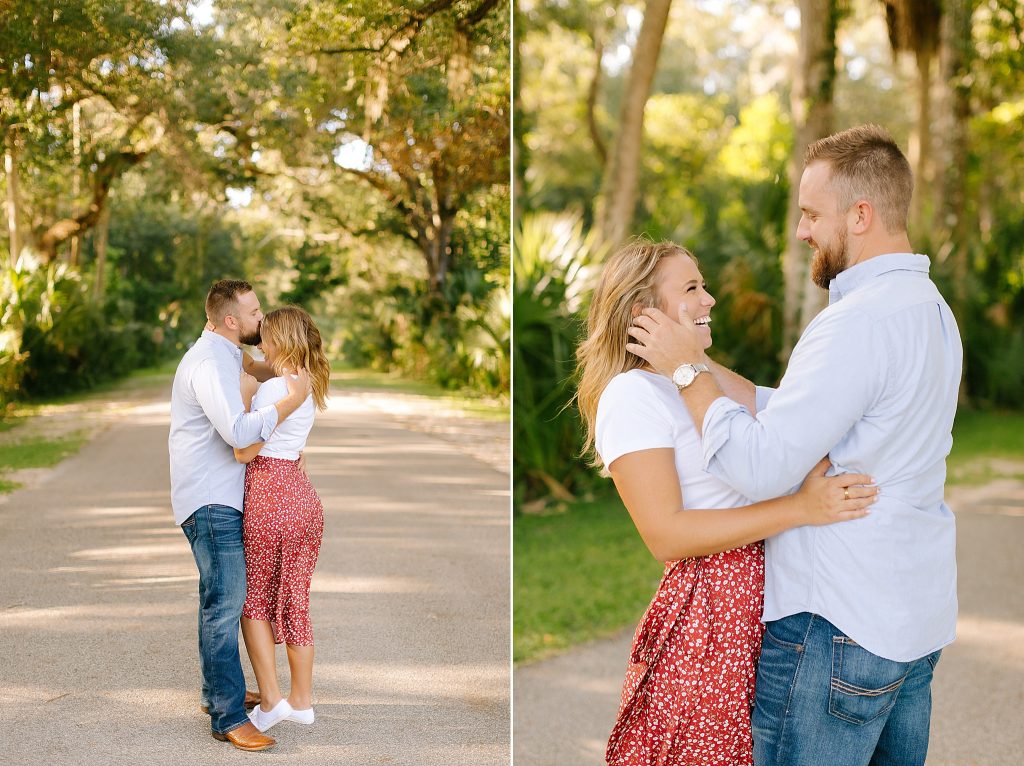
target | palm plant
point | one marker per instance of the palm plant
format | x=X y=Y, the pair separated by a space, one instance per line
x=554 y=267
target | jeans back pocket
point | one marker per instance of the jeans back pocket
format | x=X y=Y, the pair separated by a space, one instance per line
x=864 y=685
x=189 y=528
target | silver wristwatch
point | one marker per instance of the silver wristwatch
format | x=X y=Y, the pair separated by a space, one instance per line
x=685 y=374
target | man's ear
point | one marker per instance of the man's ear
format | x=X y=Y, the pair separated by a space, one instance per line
x=230 y=322
x=861 y=216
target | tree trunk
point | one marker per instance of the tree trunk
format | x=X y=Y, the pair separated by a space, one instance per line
x=520 y=161
x=593 y=91
x=812 y=95
x=622 y=175
x=435 y=244
x=914 y=27
x=13 y=202
x=955 y=57
x=76 y=176
x=100 y=239
x=923 y=175
x=109 y=171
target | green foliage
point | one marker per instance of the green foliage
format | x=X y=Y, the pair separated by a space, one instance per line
x=58 y=338
x=467 y=349
x=987 y=444
x=714 y=172
x=565 y=591
x=553 y=264
x=220 y=146
x=378 y=318
x=992 y=321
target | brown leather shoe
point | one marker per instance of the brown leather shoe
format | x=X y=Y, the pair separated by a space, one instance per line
x=252 y=699
x=247 y=737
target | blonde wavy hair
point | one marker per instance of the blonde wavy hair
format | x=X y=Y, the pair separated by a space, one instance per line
x=629 y=278
x=298 y=344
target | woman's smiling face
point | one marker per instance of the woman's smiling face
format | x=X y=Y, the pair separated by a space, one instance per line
x=680 y=283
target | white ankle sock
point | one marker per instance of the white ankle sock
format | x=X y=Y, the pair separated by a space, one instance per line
x=302 y=716
x=265 y=720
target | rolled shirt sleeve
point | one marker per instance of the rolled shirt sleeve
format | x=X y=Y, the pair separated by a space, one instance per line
x=220 y=397
x=833 y=376
x=762 y=395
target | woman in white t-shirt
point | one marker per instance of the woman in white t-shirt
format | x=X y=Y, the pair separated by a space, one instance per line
x=282 y=523
x=689 y=684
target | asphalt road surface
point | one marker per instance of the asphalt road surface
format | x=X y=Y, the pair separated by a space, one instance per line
x=410 y=599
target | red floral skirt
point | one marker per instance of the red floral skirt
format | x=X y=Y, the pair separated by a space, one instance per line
x=282 y=527
x=689 y=687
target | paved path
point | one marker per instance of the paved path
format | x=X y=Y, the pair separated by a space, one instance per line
x=564 y=707
x=410 y=601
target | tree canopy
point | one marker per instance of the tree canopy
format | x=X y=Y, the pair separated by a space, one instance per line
x=350 y=156
x=739 y=89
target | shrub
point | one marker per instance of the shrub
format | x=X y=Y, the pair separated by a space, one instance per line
x=553 y=269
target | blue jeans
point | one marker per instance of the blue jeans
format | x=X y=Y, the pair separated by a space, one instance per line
x=822 y=698
x=215 y=534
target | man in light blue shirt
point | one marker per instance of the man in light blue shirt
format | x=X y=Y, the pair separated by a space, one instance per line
x=208 y=419
x=856 y=613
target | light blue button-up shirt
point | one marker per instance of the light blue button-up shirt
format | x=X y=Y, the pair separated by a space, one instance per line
x=873 y=383
x=208 y=419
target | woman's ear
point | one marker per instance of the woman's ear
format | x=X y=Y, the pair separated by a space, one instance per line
x=637 y=310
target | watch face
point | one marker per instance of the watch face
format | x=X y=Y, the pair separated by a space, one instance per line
x=684 y=375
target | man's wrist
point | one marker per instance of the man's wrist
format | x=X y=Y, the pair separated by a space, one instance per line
x=686 y=373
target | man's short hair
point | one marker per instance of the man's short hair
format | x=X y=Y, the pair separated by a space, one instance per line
x=867 y=164
x=223 y=298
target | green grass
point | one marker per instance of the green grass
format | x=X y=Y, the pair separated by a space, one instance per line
x=7 y=422
x=35 y=453
x=980 y=437
x=579 y=575
x=486 y=408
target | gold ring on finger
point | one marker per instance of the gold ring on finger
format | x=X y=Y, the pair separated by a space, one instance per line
x=846 y=493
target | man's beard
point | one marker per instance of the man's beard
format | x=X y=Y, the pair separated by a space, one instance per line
x=830 y=260
x=252 y=339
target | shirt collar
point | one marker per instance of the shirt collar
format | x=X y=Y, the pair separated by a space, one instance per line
x=226 y=344
x=859 y=275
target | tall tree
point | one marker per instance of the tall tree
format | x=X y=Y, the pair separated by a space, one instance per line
x=622 y=173
x=520 y=157
x=55 y=55
x=425 y=90
x=914 y=28
x=812 y=108
x=956 y=58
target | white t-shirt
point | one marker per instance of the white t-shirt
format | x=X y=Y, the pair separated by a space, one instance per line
x=642 y=410
x=289 y=438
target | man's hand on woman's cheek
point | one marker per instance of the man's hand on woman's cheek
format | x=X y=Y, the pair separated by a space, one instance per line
x=665 y=343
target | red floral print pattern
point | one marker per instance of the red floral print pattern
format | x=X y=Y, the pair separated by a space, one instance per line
x=282 y=527
x=689 y=686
